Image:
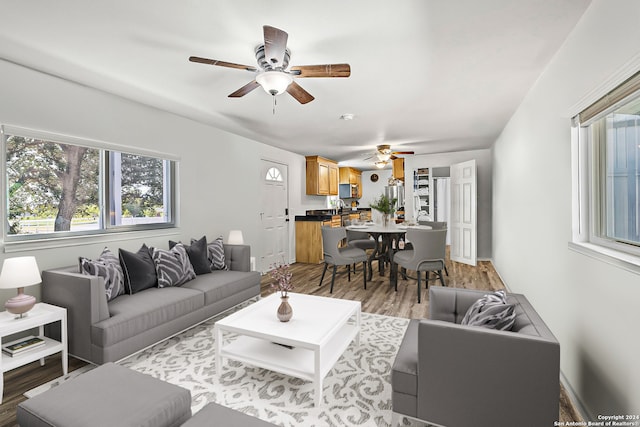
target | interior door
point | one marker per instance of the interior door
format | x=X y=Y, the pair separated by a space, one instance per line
x=464 y=202
x=274 y=215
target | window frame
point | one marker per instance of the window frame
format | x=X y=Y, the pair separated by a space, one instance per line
x=588 y=158
x=105 y=228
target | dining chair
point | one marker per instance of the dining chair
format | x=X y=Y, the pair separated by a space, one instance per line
x=362 y=240
x=428 y=255
x=334 y=255
x=436 y=225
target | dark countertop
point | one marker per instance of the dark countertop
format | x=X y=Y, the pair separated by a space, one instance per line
x=326 y=214
x=313 y=217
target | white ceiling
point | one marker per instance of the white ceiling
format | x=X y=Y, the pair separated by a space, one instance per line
x=426 y=75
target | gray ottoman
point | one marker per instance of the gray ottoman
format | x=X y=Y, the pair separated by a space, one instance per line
x=214 y=414
x=109 y=395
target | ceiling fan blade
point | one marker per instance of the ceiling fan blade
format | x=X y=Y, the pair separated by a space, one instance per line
x=403 y=152
x=221 y=63
x=301 y=95
x=325 y=70
x=275 y=45
x=245 y=89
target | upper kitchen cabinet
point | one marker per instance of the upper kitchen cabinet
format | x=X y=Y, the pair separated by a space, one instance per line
x=322 y=176
x=398 y=168
x=353 y=178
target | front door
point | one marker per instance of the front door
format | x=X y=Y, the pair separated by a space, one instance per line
x=274 y=215
x=463 y=227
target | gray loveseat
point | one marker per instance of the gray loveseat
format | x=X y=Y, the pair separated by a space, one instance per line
x=457 y=376
x=101 y=331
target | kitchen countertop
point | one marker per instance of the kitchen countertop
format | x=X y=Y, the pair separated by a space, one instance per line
x=326 y=214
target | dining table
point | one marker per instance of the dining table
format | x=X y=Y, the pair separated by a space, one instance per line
x=387 y=238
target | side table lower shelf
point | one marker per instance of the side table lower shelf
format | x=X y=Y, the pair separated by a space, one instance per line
x=41 y=314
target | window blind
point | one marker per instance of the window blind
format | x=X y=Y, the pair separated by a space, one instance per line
x=622 y=91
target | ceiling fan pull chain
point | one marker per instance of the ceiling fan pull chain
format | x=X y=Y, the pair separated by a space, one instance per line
x=274 y=104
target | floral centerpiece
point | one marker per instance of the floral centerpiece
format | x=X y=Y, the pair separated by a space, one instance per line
x=281 y=275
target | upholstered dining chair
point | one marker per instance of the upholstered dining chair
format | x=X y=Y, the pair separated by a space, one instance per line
x=362 y=240
x=436 y=225
x=336 y=256
x=428 y=255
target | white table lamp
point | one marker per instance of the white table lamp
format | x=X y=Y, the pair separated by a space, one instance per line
x=18 y=273
x=235 y=238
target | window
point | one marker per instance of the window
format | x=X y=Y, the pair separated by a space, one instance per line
x=273 y=174
x=56 y=186
x=607 y=153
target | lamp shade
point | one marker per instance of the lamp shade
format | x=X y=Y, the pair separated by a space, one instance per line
x=274 y=82
x=19 y=272
x=235 y=237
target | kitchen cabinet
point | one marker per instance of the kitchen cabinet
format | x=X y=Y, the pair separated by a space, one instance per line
x=309 y=239
x=398 y=168
x=322 y=176
x=352 y=177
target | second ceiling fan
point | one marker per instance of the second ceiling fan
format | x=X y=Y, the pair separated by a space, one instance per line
x=384 y=154
x=272 y=74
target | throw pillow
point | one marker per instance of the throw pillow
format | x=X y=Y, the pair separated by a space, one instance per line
x=139 y=270
x=491 y=311
x=197 y=252
x=108 y=267
x=215 y=250
x=173 y=266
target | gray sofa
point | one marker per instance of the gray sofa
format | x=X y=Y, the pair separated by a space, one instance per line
x=101 y=331
x=454 y=375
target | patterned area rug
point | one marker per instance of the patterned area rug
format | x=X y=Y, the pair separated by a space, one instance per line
x=357 y=391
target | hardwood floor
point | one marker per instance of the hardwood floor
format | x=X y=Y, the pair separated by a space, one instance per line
x=378 y=298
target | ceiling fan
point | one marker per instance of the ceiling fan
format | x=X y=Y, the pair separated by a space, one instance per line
x=384 y=154
x=271 y=72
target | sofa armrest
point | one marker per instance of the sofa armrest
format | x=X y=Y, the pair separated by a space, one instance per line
x=238 y=257
x=493 y=376
x=84 y=298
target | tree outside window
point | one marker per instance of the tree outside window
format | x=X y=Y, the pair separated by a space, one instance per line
x=55 y=187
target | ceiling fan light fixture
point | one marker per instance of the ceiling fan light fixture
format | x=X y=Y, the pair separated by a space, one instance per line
x=274 y=82
x=380 y=164
x=383 y=157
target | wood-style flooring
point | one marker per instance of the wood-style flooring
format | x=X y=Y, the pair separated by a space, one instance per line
x=378 y=298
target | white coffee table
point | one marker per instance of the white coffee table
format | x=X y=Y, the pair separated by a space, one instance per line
x=319 y=332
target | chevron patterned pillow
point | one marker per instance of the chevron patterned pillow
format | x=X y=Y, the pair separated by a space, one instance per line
x=491 y=311
x=215 y=250
x=108 y=267
x=173 y=266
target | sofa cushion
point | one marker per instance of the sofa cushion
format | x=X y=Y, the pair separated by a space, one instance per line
x=215 y=252
x=133 y=314
x=173 y=266
x=404 y=373
x=139 y=270
x=491 y=311
x=108 y=267
x=222 y=284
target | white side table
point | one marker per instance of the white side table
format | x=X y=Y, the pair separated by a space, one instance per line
x=41 y=314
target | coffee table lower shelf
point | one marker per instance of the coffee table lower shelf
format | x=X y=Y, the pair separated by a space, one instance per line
x=304 y=362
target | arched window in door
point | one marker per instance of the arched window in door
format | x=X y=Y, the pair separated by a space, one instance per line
x=274 y=174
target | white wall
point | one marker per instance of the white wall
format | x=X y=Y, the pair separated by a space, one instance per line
x=219 y=173
x=484 y=172
x=592 y=307
x=372 y=190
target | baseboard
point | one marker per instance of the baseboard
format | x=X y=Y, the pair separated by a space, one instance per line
x=577 y=403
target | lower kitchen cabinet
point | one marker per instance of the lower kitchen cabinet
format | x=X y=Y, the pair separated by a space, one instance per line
x=309 y=241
